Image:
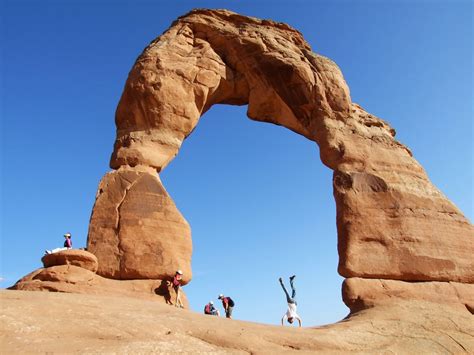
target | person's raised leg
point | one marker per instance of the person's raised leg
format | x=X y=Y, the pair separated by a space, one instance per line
x=288 y=298
x=293 y=291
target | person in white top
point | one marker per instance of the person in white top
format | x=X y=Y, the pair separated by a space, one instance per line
x=290 y=314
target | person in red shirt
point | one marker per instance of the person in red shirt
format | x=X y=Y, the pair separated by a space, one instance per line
x=176 y=283
x=228 y=305
x=211 y=310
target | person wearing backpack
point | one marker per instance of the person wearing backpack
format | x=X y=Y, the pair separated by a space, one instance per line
x=228 y=305
x=290 y=314
x=211 y=310
x=176 y=283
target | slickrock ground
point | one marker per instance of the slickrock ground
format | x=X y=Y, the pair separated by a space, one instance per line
x=44 y=322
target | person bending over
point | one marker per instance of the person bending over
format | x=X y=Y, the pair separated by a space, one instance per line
x=228 y=305
x=290 y=314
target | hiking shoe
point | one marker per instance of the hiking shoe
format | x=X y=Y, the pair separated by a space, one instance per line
x=292 y=277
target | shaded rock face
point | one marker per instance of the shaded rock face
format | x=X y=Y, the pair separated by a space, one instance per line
x=393 y=223
x=80 y=258
x=359 y=293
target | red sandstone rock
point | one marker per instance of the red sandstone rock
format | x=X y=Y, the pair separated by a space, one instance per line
x=359 y=293
x=136 y=231
x=74 y=279
x=392 y=222
x=74 y=257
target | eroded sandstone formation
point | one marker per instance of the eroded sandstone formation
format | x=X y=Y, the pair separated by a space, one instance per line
x=393 y=223
x=136 y=230
x=76 y=257
x=74 y=271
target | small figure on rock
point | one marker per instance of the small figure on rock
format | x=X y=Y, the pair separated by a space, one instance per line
x=211 y=310
x=176 y=283
x=228 y=305
x=67 y=245
x=290 y=314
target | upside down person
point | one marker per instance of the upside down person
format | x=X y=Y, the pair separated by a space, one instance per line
x=290 y=314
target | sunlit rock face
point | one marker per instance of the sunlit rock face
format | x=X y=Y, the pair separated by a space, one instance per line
x=136 y=231
x=76 y=257
x=393 y=223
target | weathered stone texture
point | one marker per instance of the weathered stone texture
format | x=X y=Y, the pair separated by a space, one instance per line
x=74 y=279
x=76 y=257
x=359 y=293
x=136 y=231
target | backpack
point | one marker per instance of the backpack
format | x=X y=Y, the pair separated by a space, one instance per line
x=207 y=309
x=230 y=302
x=176 y=282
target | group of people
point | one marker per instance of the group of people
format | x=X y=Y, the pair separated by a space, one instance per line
x=227 y=302
x=290 y=315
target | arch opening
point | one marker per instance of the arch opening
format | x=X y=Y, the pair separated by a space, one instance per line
x=259 y=204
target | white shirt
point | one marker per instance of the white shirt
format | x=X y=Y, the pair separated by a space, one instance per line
x=291 y=312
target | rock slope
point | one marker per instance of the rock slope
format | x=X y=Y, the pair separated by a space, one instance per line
x=41 y=322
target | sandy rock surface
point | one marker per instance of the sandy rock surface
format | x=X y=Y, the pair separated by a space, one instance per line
x=42 y=322
x=76 y=257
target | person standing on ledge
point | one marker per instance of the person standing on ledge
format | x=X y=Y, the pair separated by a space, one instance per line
x=228 y=305
x=67 y=245
x=290 y=314
x=177 y=287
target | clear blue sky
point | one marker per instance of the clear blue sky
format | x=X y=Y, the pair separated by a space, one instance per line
x=257 y=197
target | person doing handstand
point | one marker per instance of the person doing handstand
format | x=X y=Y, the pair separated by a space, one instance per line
x=290 y=314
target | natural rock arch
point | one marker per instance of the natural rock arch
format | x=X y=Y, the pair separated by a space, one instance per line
x=392 y=222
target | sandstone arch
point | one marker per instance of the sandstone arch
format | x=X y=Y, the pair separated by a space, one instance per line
x=393 y=223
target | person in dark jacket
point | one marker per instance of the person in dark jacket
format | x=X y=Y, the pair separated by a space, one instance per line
x=228 y=305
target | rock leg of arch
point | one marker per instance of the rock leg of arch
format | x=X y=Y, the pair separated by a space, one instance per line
x=136 y=231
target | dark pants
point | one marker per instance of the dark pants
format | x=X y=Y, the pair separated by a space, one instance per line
x=293 y=292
